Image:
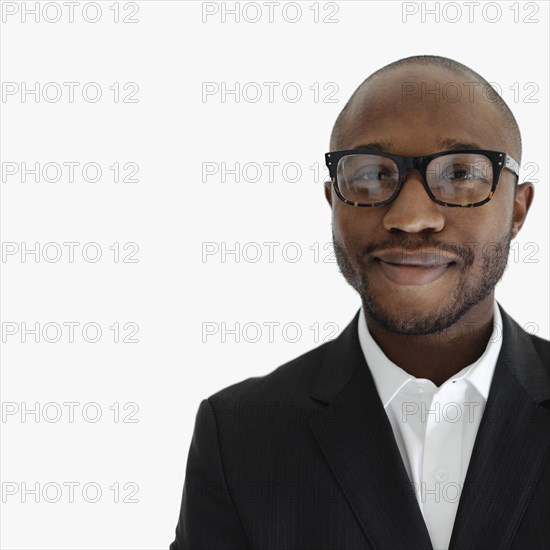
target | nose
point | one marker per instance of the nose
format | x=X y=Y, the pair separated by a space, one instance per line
x=413 y=211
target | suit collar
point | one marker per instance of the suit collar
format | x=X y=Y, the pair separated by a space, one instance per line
x=343 y=358
x=523 y=359
x=390 y=378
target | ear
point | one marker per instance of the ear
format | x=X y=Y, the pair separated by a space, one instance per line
x=522 y=202
x=328 y=192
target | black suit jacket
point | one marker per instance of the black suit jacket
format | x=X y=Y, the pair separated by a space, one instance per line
x=304 y=458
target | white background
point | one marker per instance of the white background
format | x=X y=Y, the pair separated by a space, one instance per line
x=172 y=290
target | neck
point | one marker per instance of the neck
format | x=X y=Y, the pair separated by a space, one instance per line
x=441 y=355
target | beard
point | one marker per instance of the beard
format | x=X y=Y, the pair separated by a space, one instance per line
x=471 y=289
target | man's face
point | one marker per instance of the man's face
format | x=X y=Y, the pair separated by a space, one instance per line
x=384 y=252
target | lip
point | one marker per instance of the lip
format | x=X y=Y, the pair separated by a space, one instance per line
x=415 y=274
x=424 y=258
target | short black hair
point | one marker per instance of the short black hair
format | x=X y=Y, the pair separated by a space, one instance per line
x=510 y=125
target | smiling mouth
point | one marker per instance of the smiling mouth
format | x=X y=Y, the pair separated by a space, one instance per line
x=412 y=273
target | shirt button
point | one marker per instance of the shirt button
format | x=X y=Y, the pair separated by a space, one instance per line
x=441 y=474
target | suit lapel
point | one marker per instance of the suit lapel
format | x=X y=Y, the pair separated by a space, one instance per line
x=512 y=443
x=357 y=441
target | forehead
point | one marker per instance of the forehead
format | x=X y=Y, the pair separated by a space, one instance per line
x=412 y=109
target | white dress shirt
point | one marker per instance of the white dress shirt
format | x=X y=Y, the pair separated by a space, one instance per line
x=434 y=427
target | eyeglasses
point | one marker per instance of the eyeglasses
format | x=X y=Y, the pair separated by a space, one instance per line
x=459 y=178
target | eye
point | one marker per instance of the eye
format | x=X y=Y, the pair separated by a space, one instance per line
x=374 y=173
x=464 y=173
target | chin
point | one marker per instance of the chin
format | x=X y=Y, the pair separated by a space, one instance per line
x=414 y=317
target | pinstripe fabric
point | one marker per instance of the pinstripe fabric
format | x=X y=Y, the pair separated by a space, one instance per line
x=304 y=458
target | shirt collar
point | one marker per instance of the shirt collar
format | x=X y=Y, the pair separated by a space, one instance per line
x=389 y=378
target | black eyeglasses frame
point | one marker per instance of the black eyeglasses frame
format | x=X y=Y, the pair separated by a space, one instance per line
x=498 y=159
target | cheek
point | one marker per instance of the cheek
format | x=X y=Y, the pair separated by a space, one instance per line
x=485 y=234
x=495 y=220
x=355 y=224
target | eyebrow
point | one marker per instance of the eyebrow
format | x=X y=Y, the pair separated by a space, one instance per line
x=451 y=144
x=382 y=146
x=445 y=144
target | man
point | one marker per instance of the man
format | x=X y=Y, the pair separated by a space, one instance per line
x=426 y=423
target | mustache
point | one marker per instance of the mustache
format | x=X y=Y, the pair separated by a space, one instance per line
x=428 y=245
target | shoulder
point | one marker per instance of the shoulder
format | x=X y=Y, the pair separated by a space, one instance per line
x=290 y=381
x=527 y=356
x=523 y=339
